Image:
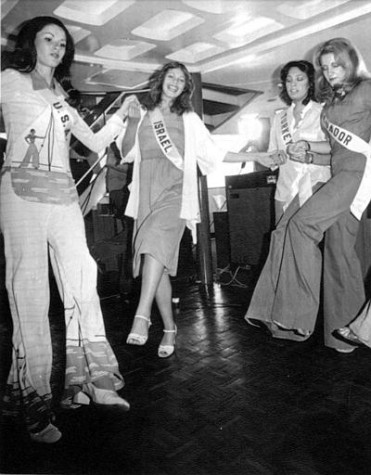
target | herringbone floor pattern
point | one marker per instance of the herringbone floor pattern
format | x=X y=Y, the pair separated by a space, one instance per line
x=232 y=400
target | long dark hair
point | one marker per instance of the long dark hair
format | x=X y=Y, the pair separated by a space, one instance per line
x=349 y=58
x=183 y=102
x=24 y=56
x=307 y=68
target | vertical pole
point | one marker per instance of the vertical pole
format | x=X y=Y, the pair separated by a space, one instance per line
x=204 y=258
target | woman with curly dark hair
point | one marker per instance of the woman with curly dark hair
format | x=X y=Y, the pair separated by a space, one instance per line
x=171 y=140
x=297 y=130
x=40 y=217
x=290 y=127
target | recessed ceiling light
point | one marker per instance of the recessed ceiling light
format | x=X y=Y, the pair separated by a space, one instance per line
x=248 y=30
x=97 y=12
x=196 y=52
x=124 y=50
x=167 y=25
x=306 y=9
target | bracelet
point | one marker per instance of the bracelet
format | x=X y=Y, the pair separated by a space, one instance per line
x=308 y=145
x=309 y=156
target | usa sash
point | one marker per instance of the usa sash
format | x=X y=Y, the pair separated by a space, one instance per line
x=163 y=139
x=355 y=144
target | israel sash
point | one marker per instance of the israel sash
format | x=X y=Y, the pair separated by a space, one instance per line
x=163 y=139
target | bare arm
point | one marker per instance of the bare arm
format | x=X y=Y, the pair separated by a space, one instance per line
x=131 y=129
x=267 y=159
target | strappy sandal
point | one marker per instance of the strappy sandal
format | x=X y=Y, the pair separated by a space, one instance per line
x=164 y=351
x=136 y=338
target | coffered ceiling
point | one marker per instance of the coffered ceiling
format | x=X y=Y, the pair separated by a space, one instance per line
x=237 y=46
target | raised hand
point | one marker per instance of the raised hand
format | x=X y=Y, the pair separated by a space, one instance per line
x=130 y=103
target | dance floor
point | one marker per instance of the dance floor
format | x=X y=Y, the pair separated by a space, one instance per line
x=231 y=400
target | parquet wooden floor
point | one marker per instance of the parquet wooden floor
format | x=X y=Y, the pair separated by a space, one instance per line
x=232 y=400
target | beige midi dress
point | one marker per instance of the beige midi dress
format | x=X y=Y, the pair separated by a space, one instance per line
x=158 y=228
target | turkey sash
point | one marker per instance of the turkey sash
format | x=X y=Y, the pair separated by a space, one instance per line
x=163 y=139
x=355 y=144
x=285 y=131
x=302 y=185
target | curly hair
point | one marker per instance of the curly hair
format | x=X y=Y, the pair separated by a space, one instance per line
x=349 y=58
x=24 y=56
x=307 y=68
x=183 y=102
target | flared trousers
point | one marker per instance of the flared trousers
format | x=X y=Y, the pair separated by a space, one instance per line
x=33 y=231
x=288 y=290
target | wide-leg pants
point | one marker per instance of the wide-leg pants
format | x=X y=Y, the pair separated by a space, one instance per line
x=31 y=231
x=288 y=290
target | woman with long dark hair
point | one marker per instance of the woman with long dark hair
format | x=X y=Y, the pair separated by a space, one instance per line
x=293 y=127
x=40 y=218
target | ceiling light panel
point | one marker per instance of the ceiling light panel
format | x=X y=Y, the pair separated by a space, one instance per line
x=97 y=12
x=196 y=52
x=247 y=31
x=168 y=25
x=118 y=78
x=77 y=32
x=307 y=9
x=124 y=50
x=214 y=6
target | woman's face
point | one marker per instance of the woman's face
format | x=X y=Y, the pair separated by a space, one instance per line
x=50 y=44
x=334 y=73
x=297 y=84
x=174 y=83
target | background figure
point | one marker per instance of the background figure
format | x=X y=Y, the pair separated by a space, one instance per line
x=40 y=216
x=170 y=142
x=119 y=177
x=301 y=121
x=296 y=266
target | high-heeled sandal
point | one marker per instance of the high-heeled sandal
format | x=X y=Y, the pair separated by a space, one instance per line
x=137 y=339
x=106 y=397
x=164 y=351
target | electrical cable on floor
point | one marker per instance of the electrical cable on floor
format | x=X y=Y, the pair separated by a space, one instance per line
x=233 y=274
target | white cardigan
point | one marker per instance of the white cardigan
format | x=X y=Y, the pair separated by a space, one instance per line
x=199 y=149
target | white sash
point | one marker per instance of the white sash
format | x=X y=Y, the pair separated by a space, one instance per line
x=163 y=139
x=302 y=185
x=285 y=131
x=355 y=144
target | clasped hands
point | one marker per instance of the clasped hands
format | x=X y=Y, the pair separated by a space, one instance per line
x=296 y=151
x=130 y=108
x=272 y=160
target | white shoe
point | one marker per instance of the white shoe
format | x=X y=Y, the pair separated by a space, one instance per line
x=105 y=397
x=164 y=351
x=49 y=435
x=136 y=338
x=345 y=350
